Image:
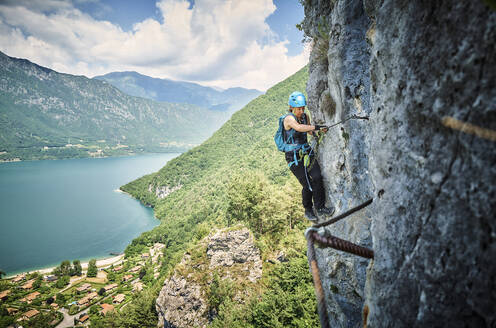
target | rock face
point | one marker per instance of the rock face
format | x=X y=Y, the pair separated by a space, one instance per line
x=163 y=191
x=182 y=302
x=338 y=86
x=227 y=248
x=413 y=67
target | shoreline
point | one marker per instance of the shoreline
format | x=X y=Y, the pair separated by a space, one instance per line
x=100 y=263
x=102 y=260
x=16 y=160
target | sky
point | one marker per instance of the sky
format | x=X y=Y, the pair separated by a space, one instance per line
x=222 y=43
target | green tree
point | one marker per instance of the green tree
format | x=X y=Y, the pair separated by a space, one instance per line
x=37 y=282
x=45 y=289
x=5 y=318
x=265 y=207
x=60 y=299
x=94 y=309
x=62 y=282
x=42 y=320
x=221 y=290
x=73 y=309
x=56 y=271
x=77 y=269
x=101 y=292
x=36 y=302
x=111 y=276
x=33 y=275
x=92 y=269
x=140 y=313
x=290 y=299
x=142 y=273
x=65 y=268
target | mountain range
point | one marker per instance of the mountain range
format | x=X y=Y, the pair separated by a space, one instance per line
x=139 y=85
x=45 y=115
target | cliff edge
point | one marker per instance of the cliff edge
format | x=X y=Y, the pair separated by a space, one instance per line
x=424 y=74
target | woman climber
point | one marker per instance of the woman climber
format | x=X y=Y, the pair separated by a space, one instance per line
x=296 y=126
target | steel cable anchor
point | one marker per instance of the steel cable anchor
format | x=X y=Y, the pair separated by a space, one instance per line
x=312 y=235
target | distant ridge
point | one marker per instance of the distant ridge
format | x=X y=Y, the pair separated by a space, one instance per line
x=139 y=85
x=46 y=115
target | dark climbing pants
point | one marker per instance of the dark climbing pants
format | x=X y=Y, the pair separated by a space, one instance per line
x=315 y=179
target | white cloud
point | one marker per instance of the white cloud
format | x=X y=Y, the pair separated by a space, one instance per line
x=217 y=42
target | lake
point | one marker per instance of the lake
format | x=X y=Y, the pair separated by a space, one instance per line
x=52 y=211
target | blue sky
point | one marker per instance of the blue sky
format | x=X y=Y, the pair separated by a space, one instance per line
x=248 y=43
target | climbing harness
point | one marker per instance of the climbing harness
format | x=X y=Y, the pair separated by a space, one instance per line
x=312 y=235
x=288 y=144
x=305 y=151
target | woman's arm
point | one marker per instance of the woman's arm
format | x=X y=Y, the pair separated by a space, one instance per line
x=291 y=123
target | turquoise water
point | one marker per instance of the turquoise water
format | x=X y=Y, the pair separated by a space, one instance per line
x=52 y=211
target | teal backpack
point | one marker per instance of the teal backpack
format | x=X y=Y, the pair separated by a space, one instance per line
x=282 y=143
x=288 y=144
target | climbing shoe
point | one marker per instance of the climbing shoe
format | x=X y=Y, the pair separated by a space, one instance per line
x=325 y=211
x=310 y=215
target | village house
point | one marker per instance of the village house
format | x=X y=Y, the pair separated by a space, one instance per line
x=106 y=308
x=135 y=269
x=127 y=277
x=83 y=287
x=30 y=297
x=145 y=256
x=110 y=287
x=85 y=300
x=84 y=318
x=28 y=315
x=19 y=278
x=50 y=278
x=54 y=306
x=4 y=294
x=118 y=268
x=118 y=299
x=12 y=311
x=156 y=249
x=158 y=246
x=28 y=284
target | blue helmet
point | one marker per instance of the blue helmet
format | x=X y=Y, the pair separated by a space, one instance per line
x=297 y=99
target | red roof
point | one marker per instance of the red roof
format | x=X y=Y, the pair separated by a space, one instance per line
x=106 y=308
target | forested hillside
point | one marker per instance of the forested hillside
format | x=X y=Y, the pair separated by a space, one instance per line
x=236 y=177
x=45 y=114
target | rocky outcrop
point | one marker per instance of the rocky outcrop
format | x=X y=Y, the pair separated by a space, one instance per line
x=227 y=248
x=181 y=304
x=412 y=67
x=163 y=191
x=183 y=300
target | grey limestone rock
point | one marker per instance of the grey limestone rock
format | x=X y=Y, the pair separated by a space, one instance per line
x=182 y=301
x=163 y=191
x=181 y=304
x=228 y=248
x=338 y=87
x=414 y=68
